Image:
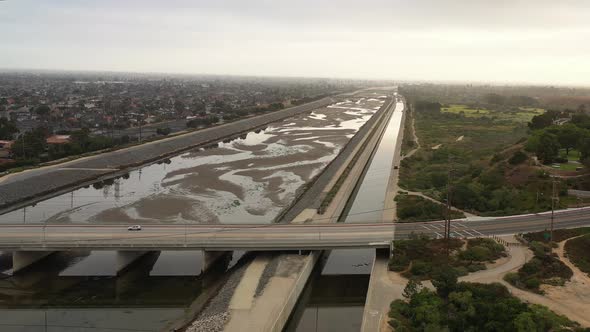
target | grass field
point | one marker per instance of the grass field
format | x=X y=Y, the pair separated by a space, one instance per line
x=573 y=160
x=520 y=115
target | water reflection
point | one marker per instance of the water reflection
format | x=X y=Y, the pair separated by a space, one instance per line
x=148 y=296
x=246 y=179
x=369 y=198
x=334 y=298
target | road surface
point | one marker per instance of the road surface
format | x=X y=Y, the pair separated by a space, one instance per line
x=265 y=237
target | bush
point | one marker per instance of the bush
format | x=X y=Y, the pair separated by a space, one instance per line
x=420 y=268
x=532 y=283
x=163 y=131
x=512 y=278
x=517 y=158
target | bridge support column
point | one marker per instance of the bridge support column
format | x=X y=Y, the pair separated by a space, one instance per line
x=23 y=259
x=210 y=257
x=126 y=258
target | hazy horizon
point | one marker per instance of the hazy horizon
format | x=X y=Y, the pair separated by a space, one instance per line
x=519 y=42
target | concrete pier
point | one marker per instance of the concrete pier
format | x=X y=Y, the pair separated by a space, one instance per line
x=210 y=257
x=23 y=259
x=126 y=258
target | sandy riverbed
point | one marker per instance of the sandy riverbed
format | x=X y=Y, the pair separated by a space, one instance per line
x=248 y=179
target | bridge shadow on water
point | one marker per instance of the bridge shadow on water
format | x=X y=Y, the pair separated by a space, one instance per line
x=40 y=298
x=334 y=298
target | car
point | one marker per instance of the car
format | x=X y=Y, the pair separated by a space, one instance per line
x=134 y=228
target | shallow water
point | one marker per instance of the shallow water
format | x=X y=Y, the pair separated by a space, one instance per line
x=369 y=199
x=249 y=179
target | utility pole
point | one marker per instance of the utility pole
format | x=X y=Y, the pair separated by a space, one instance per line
x=448 y=207
x=140 y=119
x=554 y=198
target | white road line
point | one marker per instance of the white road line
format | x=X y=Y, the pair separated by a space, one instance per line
x=468 y=232
x=428 y=228
x=478 y=232
x=459 y=233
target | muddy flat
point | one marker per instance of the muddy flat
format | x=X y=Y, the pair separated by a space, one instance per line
x=249 y=179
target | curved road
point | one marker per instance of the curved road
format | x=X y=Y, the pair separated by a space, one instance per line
x=266 y=237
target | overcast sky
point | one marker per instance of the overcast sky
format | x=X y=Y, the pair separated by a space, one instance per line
x=535 y=41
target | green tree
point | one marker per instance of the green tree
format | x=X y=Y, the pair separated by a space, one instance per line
x=30 y=145
x=82 y=138
x=43 y=111
x=445 y=281
x=7 y=129
x=412 y=287
x=548 y=148
x=543 y=120
x=569 y=136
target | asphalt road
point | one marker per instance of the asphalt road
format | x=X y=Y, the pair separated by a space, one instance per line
x=265 y=237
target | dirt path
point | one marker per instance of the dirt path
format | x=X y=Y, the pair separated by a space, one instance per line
x=415 y=138
x=517 y=256
x=578 y=275
x=417 y=193
x=574 y=296
x=571 y=300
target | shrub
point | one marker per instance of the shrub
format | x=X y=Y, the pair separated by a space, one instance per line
x=517 y=158
x=532 y=283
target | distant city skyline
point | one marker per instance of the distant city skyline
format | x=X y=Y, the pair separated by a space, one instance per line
x=536 y=42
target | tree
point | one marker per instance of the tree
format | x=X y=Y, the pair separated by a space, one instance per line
x=82 y=138
x=548 y=148
x=412 y=287
x=43 y=111
x=517 y=158
x=569 y=136
x=7 y=129
x=543 y=120
x=30 y=145
x=445 y=281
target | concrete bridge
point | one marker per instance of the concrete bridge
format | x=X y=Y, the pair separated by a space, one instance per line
x=29 y=243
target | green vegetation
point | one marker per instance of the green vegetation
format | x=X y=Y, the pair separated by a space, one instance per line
x=576 y=249
x=408 y=142
x=516 y=114
x=7 y=129
x=203 y=121
x=421 y=257
x=558 y=234
x=470 y=307
x=491 y=137
x=412 y=208
x=488 y=178
x=543 y=268
x=577 y=252
x=163 y=131
x=565 y=144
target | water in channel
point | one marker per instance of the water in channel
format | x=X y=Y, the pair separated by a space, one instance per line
x=369 y=199
x=249 y=179
x=334 y=298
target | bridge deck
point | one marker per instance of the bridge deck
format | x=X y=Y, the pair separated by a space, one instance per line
x=264 y=237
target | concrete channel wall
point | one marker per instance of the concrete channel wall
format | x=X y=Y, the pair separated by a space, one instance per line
x=279 y=323
x=313 y=195
x=53 y=180
x=364 y=143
